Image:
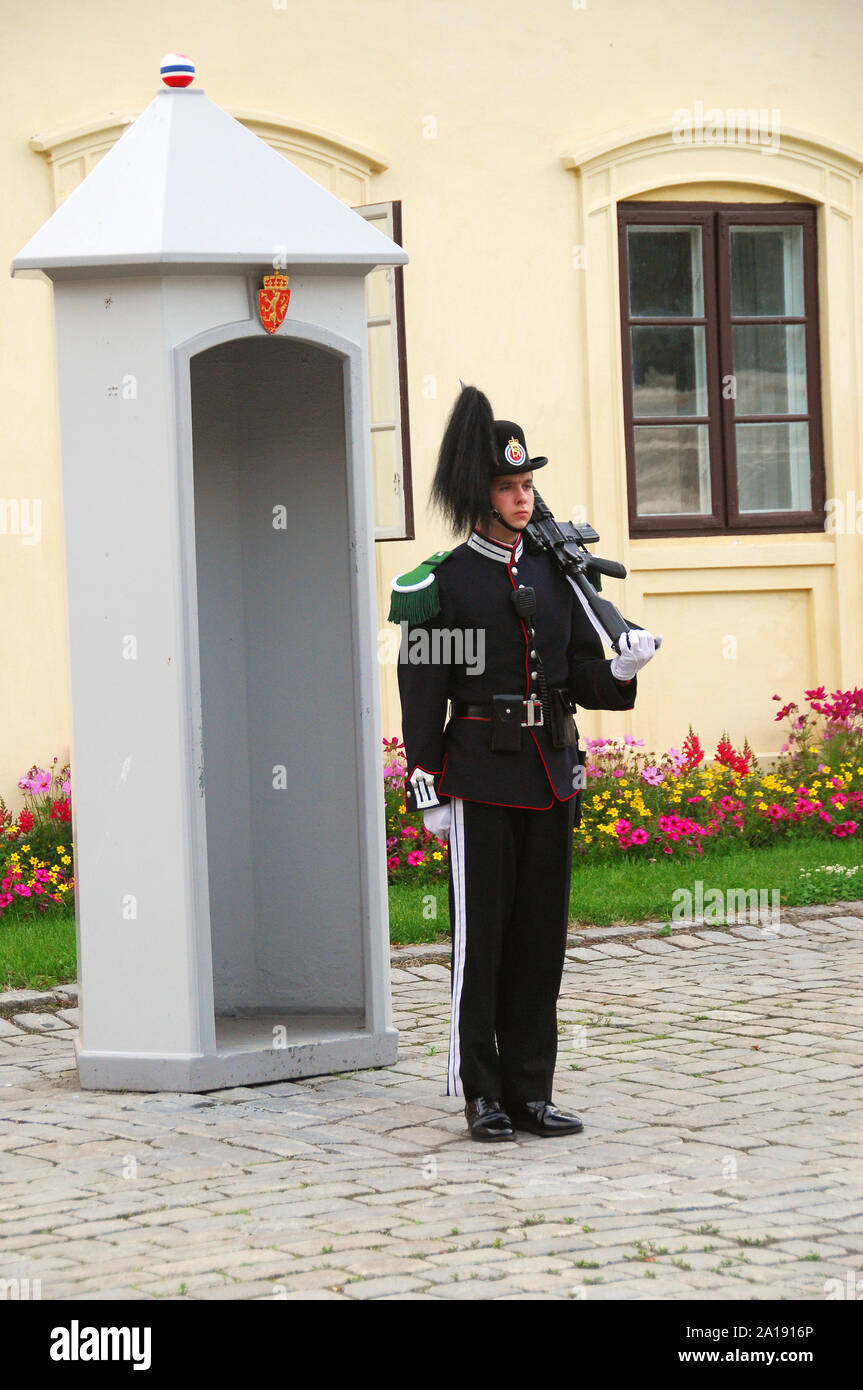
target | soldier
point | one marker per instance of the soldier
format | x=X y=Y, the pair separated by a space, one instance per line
x=494 y=628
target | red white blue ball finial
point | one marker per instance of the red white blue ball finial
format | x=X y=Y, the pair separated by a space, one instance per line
x=178 y=70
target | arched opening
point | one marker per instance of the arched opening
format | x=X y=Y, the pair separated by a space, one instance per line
x=278 y=705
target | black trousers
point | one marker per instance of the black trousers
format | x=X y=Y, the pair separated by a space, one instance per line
x=509 y=881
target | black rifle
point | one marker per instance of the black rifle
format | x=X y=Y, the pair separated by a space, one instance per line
x=567 y=543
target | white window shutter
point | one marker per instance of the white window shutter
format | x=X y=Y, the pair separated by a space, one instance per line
x=388 y=396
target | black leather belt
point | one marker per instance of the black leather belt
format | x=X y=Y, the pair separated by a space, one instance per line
x=533 y=714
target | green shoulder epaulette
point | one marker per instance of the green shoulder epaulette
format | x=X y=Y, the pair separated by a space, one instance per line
x=415 y=596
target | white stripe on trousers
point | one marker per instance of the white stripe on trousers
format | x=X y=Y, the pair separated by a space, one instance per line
x=459 y=935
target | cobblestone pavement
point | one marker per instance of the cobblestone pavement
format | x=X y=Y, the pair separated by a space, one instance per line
x=717 y=1073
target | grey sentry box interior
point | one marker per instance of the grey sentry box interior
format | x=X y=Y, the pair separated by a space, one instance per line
x=226 y=772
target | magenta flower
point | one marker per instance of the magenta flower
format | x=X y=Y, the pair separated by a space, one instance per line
x=415 y=857
x=409 y=833
x=640 y=836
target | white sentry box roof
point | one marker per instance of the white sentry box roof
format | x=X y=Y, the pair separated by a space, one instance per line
x=181 y=188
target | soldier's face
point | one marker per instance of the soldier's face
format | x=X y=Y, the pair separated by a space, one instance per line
x=512 y=495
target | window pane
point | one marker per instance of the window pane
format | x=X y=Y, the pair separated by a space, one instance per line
x=672 y=470
x=773 y=467
x=665 y=274
x=669 y=371
x=767 y=270
x=770 y=367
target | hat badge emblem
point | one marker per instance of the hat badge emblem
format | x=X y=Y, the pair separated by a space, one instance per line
x=514 y=453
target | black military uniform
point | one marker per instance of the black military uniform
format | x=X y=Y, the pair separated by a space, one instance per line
x=513 y=812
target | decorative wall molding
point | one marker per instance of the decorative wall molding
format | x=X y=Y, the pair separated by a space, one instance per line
x=343 y=167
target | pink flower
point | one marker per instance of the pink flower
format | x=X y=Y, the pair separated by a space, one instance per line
x=408 y=832
x=415 y=857
x=622 y=826
x=393 y=862
x=847 y=827
x=653 y=775
x=640 y=836
x=693 y=798
x=618 y=772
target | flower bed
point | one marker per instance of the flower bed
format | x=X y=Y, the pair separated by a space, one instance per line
x=36 y=847
x=642 y=806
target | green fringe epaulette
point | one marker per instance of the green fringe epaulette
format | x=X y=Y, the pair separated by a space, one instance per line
x=414 y=597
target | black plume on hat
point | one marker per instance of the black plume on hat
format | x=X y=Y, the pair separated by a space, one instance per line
x=475 y=448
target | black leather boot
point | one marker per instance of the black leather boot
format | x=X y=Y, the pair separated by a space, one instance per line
x=543 y=1118
x=487 y=1121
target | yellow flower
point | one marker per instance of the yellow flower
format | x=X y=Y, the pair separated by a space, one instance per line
x=437 y=854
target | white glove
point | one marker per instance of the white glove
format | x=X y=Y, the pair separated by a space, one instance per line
x=636 y=648
x=437 y=819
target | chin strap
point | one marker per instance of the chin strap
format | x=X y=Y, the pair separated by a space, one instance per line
x=516 y=530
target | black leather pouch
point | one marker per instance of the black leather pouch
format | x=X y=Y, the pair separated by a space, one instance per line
x=564 y=733
x=506 y=716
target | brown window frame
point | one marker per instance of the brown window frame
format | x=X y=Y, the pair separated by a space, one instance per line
x=715 y=220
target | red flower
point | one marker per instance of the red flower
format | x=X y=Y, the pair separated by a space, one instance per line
x=693 y=750
x=729 y=757
x=25 y=820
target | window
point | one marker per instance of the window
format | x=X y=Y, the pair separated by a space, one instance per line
x=722 y=393
x=388 y=395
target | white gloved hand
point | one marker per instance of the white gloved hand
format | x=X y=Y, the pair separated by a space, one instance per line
x=437 y=819
x=637 y=647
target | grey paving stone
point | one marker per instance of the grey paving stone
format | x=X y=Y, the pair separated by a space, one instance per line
x=40 y=1022
x=653 y=947
x=305 y=1184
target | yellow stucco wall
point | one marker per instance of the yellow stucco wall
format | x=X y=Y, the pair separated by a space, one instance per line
x=509 y=133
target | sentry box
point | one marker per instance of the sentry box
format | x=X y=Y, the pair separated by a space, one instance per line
x=226 y=772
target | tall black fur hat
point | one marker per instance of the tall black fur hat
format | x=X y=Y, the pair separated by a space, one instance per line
x=476 y=448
